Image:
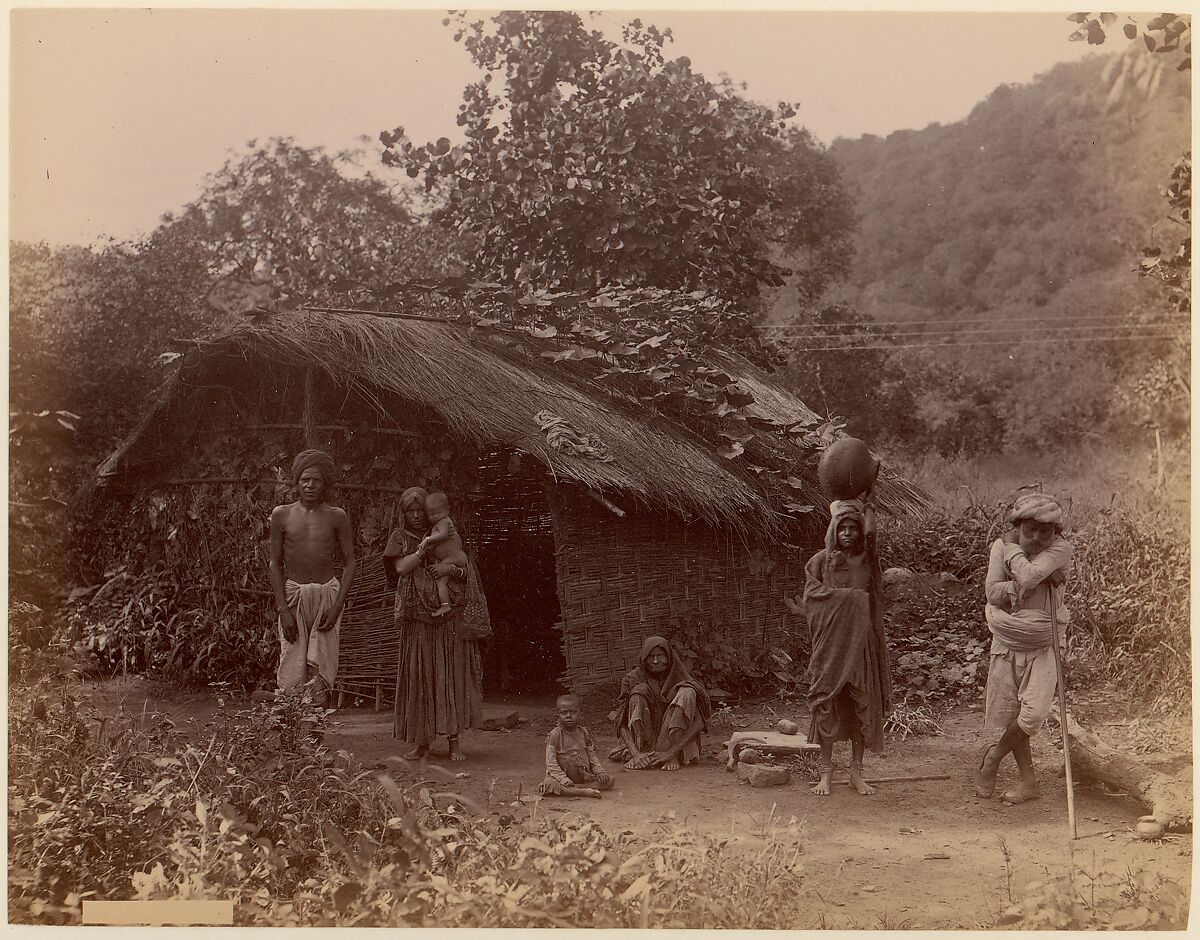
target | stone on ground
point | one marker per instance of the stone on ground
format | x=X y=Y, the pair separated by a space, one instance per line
x=498 y=719
x=763 y=775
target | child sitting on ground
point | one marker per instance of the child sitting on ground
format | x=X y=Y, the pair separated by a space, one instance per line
x=444 y=543
x=572 y=767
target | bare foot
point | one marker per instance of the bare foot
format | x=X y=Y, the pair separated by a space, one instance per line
x=985 y=774
x=671 y=763
x=421 y=750
x=582 y=791
x=858 y=783
x=639 y=761
x=821 y=787
x=1022 y=793
x=456 y=753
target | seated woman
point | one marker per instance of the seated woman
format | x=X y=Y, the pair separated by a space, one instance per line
x=661 y=712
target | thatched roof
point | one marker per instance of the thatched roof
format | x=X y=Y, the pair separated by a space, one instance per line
x=488 y=392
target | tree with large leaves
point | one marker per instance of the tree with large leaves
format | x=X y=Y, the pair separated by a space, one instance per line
x=627 y=212
x=589 y=162
x=92 y=328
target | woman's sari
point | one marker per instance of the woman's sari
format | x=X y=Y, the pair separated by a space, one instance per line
x=439 y=675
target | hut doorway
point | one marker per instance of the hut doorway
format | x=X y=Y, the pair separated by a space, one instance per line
x=514 y=551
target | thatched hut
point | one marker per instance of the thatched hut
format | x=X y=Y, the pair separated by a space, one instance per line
x=580 y=558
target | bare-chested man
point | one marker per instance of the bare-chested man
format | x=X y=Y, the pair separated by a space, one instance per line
x=306 y=537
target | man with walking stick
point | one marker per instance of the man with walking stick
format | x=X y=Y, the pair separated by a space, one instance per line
x=1025 y=612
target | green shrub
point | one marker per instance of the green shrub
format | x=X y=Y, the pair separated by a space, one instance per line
x=147 y=624
x=252 y=808
x=1106 y=899
x=1128 y=597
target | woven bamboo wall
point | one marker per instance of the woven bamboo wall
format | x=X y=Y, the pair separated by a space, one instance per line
x=623 y=579
x=492 y=511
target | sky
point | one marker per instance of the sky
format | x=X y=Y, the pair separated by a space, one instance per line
x=116 y=115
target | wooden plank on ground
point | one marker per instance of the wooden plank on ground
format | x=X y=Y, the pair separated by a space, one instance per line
x=770 y=741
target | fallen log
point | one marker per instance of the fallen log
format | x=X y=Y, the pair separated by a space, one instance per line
x=914 y=779
x=1168 y=797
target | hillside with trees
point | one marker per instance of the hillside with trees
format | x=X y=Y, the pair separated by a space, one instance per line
x=1025 y=221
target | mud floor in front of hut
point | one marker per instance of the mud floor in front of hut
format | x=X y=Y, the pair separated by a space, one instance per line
x=928 y=854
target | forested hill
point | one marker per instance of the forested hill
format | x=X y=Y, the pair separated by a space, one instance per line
x=1038 y=202
x=1011 y=237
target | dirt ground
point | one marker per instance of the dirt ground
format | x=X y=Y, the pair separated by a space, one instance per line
x=924 y=854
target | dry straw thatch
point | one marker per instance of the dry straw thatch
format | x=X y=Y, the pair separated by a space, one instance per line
x=486 y=389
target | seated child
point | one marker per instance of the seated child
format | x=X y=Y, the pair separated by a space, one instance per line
x=572 y=767
x=445 y=544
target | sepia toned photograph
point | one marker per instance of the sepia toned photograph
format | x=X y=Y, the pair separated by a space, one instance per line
x=589 y=470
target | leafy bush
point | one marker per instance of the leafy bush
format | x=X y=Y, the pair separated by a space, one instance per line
x=92 y=802
x=252 y=808
x=1104 y=899
x=940 y=541
x=144 y=624
x=1128 y=597
x=730 y=664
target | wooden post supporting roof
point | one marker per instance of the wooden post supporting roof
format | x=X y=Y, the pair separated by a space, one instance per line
x=310 y=407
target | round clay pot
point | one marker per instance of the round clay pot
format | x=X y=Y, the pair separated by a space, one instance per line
x=748 y=755
x=1149 y=828
x=846 y=468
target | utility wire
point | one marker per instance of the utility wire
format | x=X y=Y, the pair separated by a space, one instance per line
x=868 y=334
x=1045 y=341
x=1032 y=319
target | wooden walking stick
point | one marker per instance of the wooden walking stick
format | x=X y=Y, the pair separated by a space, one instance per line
x=1062 y=714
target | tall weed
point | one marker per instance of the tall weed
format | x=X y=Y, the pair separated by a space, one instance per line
x=1130 y=596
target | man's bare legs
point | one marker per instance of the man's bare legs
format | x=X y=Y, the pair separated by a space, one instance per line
x=857 y=748
x=456 y=753
x=421 y=750
x=1016 y=741
x=1028 y=787
x=822 y=786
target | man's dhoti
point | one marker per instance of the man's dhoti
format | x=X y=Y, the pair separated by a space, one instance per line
x=1020 y=686
x=315 y=652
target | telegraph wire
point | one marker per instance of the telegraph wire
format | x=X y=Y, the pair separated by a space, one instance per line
x=867 y=333
x=1044 y=341
x=870 y=323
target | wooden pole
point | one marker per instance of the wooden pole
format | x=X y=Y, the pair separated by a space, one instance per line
x=916 y=779
x=1158 y=454
x=310 y=408
x=607 y=503
x=1062 y=715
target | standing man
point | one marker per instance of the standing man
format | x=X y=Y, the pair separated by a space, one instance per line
x=306 y=537
x=1026 y=571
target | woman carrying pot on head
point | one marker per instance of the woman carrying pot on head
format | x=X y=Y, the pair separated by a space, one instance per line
x=439 y=677
x=849 y=679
